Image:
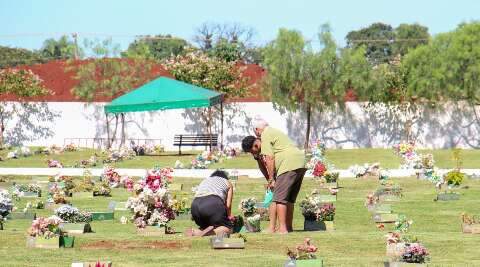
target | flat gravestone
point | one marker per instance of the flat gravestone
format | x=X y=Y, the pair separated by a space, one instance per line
x=385 y=217
x=217 y=242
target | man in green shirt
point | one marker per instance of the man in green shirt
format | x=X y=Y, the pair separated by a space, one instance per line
x=284 y=168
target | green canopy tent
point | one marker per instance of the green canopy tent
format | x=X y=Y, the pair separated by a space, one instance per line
x=161 y=94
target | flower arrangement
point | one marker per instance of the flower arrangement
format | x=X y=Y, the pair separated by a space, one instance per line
x=70 y=147
x=237 y=222
x=254 y=222
x=402 y=224
x=111 y=176
x=71 y=214
x=371 y=200
x=180 y=206
x=454 y=178
x=45 y=227
x=118 y=155
x=318 y=165
x=6 y=204
x=314 y=210
x=36 y=205
x=330 y=177
x=248 y=206
x=57 y=196
x=54 y=163
x=319 y=169
x=365 y=170
x=102 y=189
x=127 y=182
x=153 y=203
x=91 y=162
x=20 y=189
x=468 y=219
x=305 y=251
x=415 y=253
x=54 y=149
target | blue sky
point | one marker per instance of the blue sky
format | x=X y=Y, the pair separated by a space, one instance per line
x=27 y=23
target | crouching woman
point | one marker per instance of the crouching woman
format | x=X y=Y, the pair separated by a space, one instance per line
x=212 y=206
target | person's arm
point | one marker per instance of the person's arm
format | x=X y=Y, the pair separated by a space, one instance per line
x=270 y=162
x=228 y=203
x=261 y=166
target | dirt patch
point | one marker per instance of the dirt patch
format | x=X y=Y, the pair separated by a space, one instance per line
x=123 y=245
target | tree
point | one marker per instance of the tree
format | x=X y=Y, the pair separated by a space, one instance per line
x=63 y=48
x=11 y=57
x=383 y=43
x=21 y=84
x=409 y=36
x=448 y=69
x=300 y=78
x=230 y=42
x=377 y=39
x=108 y=76
x=198 y=68
x=159 y=47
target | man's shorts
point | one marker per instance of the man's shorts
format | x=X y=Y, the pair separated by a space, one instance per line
x=287 y=186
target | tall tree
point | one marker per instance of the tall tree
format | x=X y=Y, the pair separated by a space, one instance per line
x=409 y=36
x=63 y=48
x=160 y=47
x=106 y=75
x=377 y=39
x=20 y=84
x=300 y=78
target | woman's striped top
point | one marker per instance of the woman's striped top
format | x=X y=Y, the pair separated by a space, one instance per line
x=213 y=185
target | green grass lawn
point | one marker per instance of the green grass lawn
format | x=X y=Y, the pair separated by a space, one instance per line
x=341 y=158
x=355 y=242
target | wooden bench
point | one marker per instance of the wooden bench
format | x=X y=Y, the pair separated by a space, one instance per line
x=207 y=140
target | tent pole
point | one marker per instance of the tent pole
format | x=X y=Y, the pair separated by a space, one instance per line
x=123 y=129
x=108 y=131
x=221 y=125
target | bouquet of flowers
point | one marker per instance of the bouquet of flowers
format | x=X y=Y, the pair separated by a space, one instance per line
x=24 y=151
x=153 y=203
x=54 y=163
x=367 y=169
x=127 y=182
x=71 y=214
x=54 y=149
x=402 y=224
x=305 y=251
x=254 y=222
x=12 y=155
x=330 y=177
x=415 y=253
x=319 y=169
x=314 y=210
x=91 y=162
x=408 y=153
x=427 y=161
x=230 y=152
x=248 y=206
x=70 y=147
x=111 y=176
x=118 y=155
x=6 y=204
x=102 y=189
x=317 y=165
x=20 y=189
x=57 y=196
x=180 y=206
x=45 y=227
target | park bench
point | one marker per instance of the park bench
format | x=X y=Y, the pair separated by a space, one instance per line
x=207 y=140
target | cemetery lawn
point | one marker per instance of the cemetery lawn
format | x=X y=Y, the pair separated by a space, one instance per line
x=341 y=158
x=356 y=241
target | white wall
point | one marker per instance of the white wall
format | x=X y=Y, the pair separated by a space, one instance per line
x=349 y=128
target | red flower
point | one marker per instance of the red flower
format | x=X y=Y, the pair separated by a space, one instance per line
x=319 y=169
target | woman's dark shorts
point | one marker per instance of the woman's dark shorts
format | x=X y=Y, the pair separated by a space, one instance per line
x=210 y=211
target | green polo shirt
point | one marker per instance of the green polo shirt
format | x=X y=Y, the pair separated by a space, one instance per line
x=287 y=156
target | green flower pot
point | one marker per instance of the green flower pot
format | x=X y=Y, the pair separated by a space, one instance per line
x=67 y=241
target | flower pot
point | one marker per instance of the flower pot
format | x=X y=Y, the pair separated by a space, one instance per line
x=471 y=228
x=218 y=242
x=102 y=216
x=75 y=228
x=251 y=228
x=395 y=249
x=67 y=241
x=310 y=225
x=41 y=242
x=22 y=216
x=448 y=196
x=304 y=263
x=385 y=217
x=401 y=264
